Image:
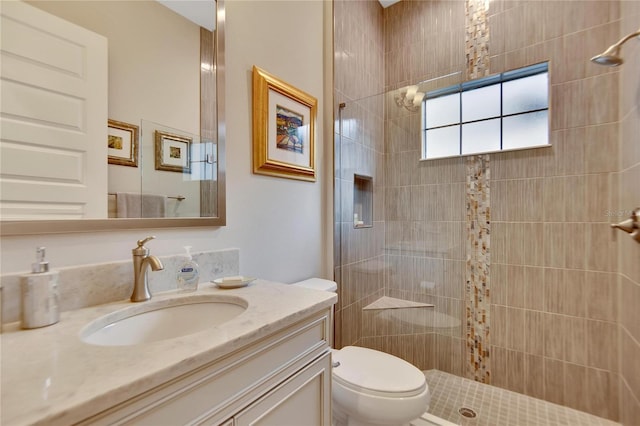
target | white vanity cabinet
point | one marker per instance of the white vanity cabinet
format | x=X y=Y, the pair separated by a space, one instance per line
x=282 y=379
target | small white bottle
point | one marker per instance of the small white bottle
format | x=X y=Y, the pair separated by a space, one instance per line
x=188 y=273
x=40 y=299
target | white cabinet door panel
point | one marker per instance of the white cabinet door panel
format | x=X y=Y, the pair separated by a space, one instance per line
x=303 y=399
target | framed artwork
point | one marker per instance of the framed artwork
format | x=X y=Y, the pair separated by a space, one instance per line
x=122 y=143
x=173 y=152
x=284 y=120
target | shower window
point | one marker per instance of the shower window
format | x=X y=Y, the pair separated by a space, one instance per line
x=502 y=112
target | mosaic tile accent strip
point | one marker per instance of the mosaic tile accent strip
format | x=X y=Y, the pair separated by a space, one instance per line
x=477 y=39
x=478 y=217
x=498 y=407
x=478 y=227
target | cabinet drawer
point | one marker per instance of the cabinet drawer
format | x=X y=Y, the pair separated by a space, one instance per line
x=224 y=386
x=303 y=399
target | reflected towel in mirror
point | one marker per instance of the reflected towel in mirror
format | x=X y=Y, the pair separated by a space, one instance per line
x=133 y=205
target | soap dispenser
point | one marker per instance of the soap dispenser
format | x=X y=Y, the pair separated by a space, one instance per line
x=39 y=290
x=188 y=273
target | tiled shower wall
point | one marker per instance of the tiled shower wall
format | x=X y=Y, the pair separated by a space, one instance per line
x=425 y=202
x=564 y=286
x=409 y=246
x=629 y=197
x=554 y=281
x=359 y=71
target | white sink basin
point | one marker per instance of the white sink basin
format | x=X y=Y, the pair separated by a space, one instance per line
x=163 y=319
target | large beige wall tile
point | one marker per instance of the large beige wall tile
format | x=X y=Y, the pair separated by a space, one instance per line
x=499 y=326
x=601 y=345
x=563 y=291
x=554 y=332
x=601 y=148
x=516 y=329
x=601 y=248
x=630 y=368
x=534 y=376
x=574 y=340
x=554 y=201
x=554 y=381
x=602 y=394
x=629 y=405
x=629 y=302
x=515 y=370
x=534 y=332
x=575 y=387
x=499 y=366
x=600 y=294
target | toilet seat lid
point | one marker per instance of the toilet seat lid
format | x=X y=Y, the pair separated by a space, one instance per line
x=376 y=371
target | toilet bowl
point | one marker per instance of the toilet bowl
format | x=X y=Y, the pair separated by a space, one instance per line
x=370 y=387
x=374 y=388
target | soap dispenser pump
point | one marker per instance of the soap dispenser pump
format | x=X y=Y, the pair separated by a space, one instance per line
x=40 y=306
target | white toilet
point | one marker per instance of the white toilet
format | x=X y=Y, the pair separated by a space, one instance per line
x=370 y=387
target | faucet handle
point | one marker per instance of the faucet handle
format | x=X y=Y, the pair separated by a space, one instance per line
x=141 y=243
x=141 y=250
x=631 y=225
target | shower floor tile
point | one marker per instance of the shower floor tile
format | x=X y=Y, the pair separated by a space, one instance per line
x=498 y=407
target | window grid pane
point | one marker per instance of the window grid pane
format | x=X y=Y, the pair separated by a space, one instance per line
x=443 y=142
x=482 y=103
x=481 y=136
x=525 y=94
x=525 y=130
x=443 y=111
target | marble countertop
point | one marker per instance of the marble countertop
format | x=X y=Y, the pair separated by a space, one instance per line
x=49 y=376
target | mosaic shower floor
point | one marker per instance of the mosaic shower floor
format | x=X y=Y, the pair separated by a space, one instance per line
x=495 y=406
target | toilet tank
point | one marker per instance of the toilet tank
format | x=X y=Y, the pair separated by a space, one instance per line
x=318 y=284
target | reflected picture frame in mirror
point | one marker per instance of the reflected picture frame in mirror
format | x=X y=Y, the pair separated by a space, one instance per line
x=212 y=127
x=172 y=152
x=122 y=143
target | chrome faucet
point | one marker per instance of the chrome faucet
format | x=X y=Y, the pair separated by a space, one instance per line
x=142 y=259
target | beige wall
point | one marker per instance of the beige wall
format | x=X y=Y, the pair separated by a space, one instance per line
x=150 y=49
x=556 y=268
x=270 y=247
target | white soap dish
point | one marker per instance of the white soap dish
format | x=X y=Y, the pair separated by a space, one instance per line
x=233 y=282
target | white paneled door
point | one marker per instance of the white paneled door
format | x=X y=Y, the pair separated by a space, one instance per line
x=53 y=117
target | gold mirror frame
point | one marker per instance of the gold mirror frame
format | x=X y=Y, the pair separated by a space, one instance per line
x=30 y=227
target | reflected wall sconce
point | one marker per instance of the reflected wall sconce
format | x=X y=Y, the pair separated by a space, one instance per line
x=409 y=98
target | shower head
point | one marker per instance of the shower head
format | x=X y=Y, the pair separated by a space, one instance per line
x=611 y=57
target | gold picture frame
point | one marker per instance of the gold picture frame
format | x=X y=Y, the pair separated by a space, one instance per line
x=172 y=152
x=284 y=120
x=122 y=143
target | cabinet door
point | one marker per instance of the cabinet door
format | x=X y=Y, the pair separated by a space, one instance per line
x=303 y=399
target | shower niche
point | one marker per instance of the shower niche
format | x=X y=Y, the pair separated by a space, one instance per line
x=362 y=201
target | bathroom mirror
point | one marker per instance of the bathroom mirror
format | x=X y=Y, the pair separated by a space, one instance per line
x=205 y=122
